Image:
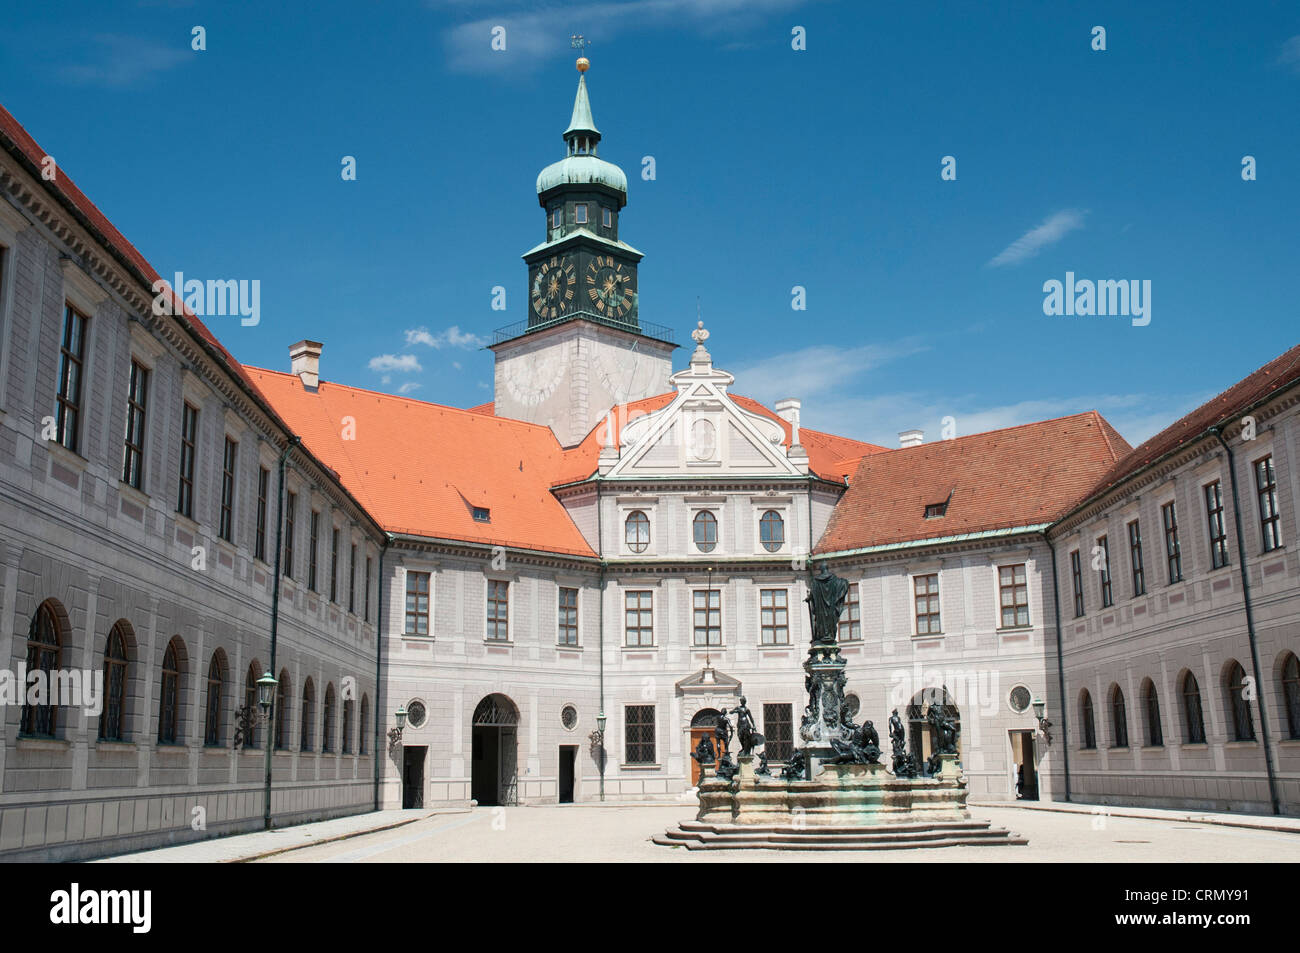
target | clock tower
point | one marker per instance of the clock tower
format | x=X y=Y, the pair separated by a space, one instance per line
x=583 y=347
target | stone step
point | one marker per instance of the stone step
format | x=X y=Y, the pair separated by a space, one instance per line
x=851 y=829
x=695 y=835
x=950 y=840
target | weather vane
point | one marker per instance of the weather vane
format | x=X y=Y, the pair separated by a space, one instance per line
x=579 y=42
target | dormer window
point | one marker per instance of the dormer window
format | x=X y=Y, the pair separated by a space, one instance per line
x=935 y=510
x=482 y=514
x=580 y=214
x=607 y=218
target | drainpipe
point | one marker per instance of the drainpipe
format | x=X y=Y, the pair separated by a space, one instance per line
x=1060 y=666
x=600 y=625
x=275 y=614
x=1250 y=621
x=379 y=651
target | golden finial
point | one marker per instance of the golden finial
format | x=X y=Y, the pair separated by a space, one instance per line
x=583 y=64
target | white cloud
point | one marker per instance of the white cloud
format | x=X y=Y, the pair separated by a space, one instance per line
x=397 y=363
x=1291 y=53
x=536 y=36
x=817 y=370
x=1051 y=231
x=452 y=337
x=125 y=61
x=408 y=387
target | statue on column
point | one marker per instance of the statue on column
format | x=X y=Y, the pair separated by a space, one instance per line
x=904 y=766
x=827 y=594
x=746 y=730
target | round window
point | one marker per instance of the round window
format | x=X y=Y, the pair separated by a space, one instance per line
x=852 y=703
x=415 y=714
x=1019 y=698
x=569 y=717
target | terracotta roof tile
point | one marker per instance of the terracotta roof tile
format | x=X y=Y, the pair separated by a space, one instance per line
x=1018 y=476
x=421 y=468
x=1278 y=374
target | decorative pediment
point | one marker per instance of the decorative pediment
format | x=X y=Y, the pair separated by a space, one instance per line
x=709 y=681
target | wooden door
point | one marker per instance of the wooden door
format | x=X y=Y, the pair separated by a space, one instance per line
x=696 y=735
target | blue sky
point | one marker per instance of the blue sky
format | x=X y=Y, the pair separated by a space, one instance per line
x=775 y=168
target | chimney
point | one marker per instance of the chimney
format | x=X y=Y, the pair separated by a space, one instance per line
x=788 y=410
x=304 y=360
x=911 y=438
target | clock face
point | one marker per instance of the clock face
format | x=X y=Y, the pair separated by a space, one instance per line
x=555 y=283
x=533 y=378
x=610 y=287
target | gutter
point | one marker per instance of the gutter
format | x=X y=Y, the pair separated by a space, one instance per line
x=275 y=615
x=938 y=540
x=1060 y=665
x=1217 y=432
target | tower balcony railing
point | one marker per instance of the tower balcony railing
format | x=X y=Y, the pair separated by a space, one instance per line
x=657 y=332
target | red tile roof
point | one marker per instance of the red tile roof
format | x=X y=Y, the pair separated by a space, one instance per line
x=421 y=468
x=829 y=456
x=1019 y=476
x=1278 y=374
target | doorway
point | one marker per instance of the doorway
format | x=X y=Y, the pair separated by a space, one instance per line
x=1024 y=773
x=702 y=726
x=413 y=775
x=568 y=769
x=494 y=750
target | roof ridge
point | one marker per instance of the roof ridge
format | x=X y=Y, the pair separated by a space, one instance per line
x=985 y=433
x=409 y=400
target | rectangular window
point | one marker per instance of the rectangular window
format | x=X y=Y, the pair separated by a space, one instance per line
x=926 y=591
x=334 y=565
x=639 y=733
x=367 y=595
x=1173 y=553
x=1135 y=558
x=778 y=731
x=417 y=603
x=498 y=611
x=1076 y=575
x=639 y=617
x=774 y=616
x=607 y=218
x=137 y=399
x=579 y=214
x=189 y=437
x=1107 y=598
x=707 y=604
x=568 y=610
x=850 y=627
x=311 y=553
x=72 y=360
x=1214 y=520
x=263 y=488
x=1013 y=596
x=352 y=580
x=228 y=458
x=482 y=514
x=290 y=508
x=557 y=217
x=1266 y=488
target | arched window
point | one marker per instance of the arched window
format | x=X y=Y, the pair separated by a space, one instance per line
x=1118 y=718
x=250 y=704
x=771 y=531
x=216 y=685
x=308 y=713
x=1085 y=719
x=1291 y=694
x=364 y=735
x=636 y=531
x=327 y=720
x=1234 y=681
x=169 y=697
x=1193 y=719
x=705 y=529
x=1151 y=702
x=346 y=744
x=44 y=654
x=282 y=695
x=112 y=723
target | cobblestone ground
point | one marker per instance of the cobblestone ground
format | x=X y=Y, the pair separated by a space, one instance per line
x=605 y=834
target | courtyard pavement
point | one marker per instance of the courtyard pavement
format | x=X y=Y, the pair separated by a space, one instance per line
x=602 y=833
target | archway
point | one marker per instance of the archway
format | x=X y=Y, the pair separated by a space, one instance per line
x=494 y=745
x=703 y=723
x=920 y=735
